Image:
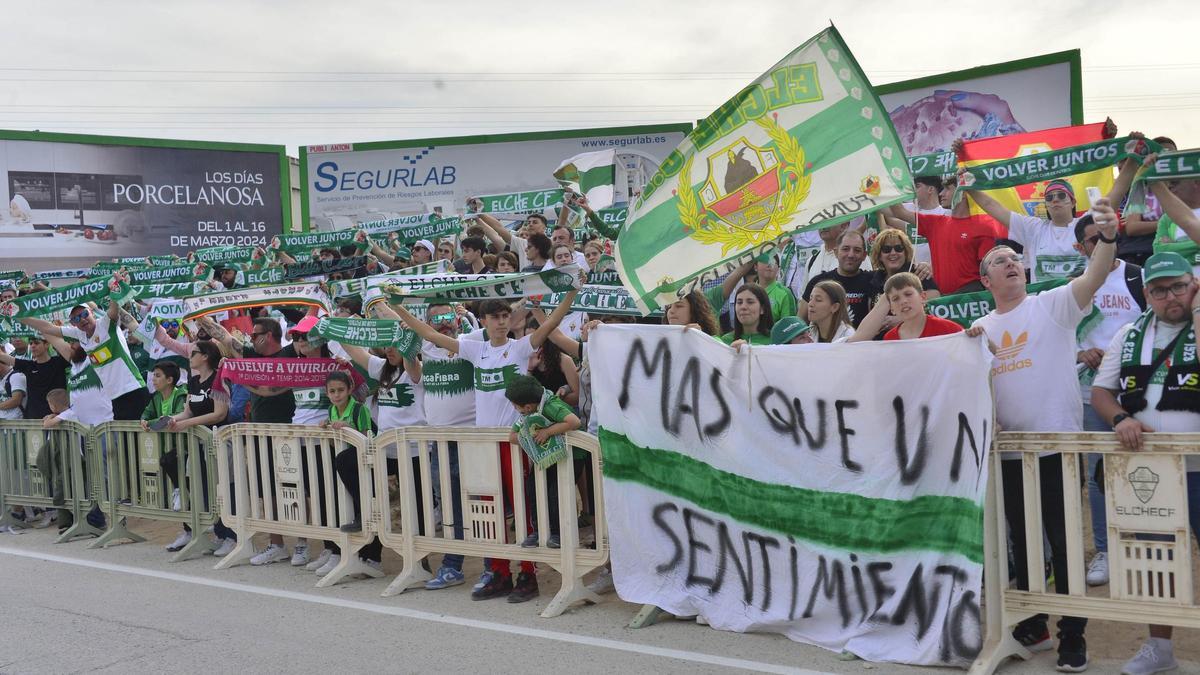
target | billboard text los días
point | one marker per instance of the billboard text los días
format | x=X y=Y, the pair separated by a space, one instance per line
x=349 y=183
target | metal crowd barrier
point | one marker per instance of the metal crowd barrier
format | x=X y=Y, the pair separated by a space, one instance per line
x=283 y=482
x=1145 y=494
x=33 y=461
x=139 y=485
x=485 y=527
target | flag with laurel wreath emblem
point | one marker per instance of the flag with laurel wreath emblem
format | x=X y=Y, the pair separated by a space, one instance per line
x=805 y=146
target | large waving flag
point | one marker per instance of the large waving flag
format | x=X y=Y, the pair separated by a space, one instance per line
x=1028 y=198
x=805 y=146
x=591 y=174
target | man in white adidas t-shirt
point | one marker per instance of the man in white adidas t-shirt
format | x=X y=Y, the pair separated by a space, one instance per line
x=101 y=336
x=1037 y=389
x=1119 y=301
x=496 y=361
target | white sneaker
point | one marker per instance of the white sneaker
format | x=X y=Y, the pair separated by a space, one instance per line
x=273 y=553
x=176 y=503
x=373 y=564
x=300 y=554
x=226 y=547
x=334 y=559
x=1097 y=571
x=320 y=561
x=603 y=583
x=182 y=540
x=43 y=521
x=1156 y=656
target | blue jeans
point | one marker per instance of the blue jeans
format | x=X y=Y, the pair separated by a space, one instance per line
x=1093 y=422
x=1193 y=505
x=452 y=560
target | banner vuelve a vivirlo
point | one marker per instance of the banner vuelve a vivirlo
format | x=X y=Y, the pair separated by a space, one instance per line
x=807 y=145
x=847 y=482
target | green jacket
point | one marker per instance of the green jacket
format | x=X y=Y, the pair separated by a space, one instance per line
x=172 y=405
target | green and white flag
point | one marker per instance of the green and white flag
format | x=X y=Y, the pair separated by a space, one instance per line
x=413 y=228
x=473 y=286
x=805 y=146
x=591 y=174
x=767 y=491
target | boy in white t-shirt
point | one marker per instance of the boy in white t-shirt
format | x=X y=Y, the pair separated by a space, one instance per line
x=496 y=361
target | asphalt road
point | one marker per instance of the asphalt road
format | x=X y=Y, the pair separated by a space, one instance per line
x=126 y=609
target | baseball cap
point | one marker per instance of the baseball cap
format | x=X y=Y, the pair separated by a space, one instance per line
x=786 y=329
x=1165 y=264
x=304 y=326
x=404 y=253
x=427 y=245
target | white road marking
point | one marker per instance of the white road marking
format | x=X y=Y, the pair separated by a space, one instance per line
x=523 y=631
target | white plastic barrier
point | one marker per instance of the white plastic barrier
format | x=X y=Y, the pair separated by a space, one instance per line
x=138 y=486
x=485 y=526
x=278 y=473
x=1145 y=493
x=22 y=482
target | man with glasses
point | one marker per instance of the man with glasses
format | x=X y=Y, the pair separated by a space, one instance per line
x=1143 y=386
x=1037 y=389
x=100 y=335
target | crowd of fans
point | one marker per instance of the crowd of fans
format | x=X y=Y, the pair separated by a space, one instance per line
x=496 y=362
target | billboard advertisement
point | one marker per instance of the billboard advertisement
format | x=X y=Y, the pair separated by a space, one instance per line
x=1040 y=92
x=350 y=183
x=76 y=199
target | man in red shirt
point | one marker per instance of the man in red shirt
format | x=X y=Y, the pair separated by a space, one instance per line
x=957 y=242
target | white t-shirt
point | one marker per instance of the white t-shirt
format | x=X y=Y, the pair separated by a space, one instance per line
x=573 y=323
x=401 y=404
x=494 y=367
x=1117 y=307
x=312 y=406
x=1049 y=250
x=580 y=259
x=795 y=276
x=1171 y=421
x=157 y=352
x=15 y=382
x=109 y=355
x=90 y=403
x=449 y=384
x=1033 y=372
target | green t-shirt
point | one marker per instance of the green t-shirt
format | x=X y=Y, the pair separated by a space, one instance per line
x=783 y=302
x=716 y=298
x=551 y=411
x=355 y=414
x=754 y=339
x=1171 y=237
x=160 y=406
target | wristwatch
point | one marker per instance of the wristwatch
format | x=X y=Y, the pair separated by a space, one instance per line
x=1106 y=240
x=1120 y=417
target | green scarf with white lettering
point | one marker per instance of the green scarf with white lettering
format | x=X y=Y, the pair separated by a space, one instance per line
x=369 y=333
x=1181 y=386
x=1181 y=165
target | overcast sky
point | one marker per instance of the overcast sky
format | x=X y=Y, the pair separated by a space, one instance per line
x=300 y=72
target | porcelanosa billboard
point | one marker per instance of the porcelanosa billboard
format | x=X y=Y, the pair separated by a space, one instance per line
x=82 y=198
x=349 y=183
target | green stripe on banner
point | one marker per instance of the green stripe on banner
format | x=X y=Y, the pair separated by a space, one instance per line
x=640 y=245
x=837 y=520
